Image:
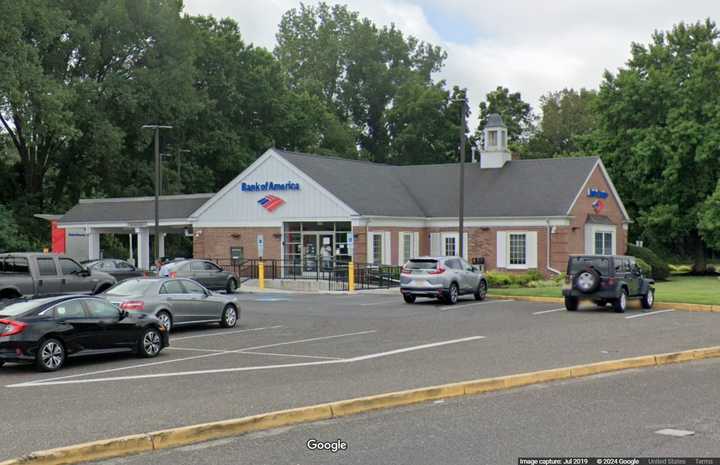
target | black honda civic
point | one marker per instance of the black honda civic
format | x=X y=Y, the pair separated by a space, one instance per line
x=48 y=331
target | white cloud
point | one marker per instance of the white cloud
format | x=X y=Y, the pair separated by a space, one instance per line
x=527 y=45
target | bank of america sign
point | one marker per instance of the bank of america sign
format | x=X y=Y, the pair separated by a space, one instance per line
x=269 y=186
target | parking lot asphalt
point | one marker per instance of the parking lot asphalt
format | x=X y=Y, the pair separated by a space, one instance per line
x=291 y=350
x=614 y=415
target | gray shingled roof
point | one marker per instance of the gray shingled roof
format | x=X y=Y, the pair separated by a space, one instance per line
x=134 y=209
x=543 y=187
x=494 y=120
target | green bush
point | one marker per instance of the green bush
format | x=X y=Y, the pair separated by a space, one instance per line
x=644 y=266
x=497 y=279
x=532 y=278
x=660 y=269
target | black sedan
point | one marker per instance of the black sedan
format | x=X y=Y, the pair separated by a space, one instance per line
x=119 y=269
x=48 y=331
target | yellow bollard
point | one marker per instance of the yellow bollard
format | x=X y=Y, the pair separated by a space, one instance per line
x=351 y=277
x=261 y=275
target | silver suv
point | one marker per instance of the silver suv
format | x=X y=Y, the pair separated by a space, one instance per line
x=445 y=278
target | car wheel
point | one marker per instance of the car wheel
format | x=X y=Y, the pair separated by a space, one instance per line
x=571 y=303
x=452 y=294
x=231 y=286
x=166 y=319
x=481 y=290
x=50 y=355
x=150 y=343
x=620 y=304
x=648 y=299
x=229 y=317
x=409 y=298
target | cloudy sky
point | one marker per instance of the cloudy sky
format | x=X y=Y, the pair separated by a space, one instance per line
x=531 y=46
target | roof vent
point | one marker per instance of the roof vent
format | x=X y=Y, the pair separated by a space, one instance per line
x=494 y=152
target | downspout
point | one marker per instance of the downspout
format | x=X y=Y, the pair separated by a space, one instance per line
x=549 y=238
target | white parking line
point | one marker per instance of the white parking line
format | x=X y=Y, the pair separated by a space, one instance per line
x=195 y=350
x=549 y=311
x=459 y=306
x=223 y=333
x=291 y=355
x=214 y=354
x=61 y=381
x=649 y=313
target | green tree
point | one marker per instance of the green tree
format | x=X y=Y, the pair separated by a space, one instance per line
x=356 y=68
x=425 y=124
x=516 y=114
x=710 y=219
x=11 y=237
x=659 y=134
x=567 y=117
x=80 y=79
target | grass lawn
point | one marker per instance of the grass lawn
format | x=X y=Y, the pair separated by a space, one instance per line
x=682 y=289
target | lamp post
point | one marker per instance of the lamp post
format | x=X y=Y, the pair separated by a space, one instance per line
x=157 y=128
x=461 y=187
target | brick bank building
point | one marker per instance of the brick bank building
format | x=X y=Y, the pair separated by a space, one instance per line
x=312 y=210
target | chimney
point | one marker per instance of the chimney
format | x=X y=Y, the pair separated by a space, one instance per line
x=494 y=153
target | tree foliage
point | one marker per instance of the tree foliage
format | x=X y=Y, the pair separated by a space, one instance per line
x=363 y=73
x=516 y=114
x=567 y=117
x=659 y=134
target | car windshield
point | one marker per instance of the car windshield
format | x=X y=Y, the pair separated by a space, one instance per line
x=421 y=265
x=581 y=263
x=131 y=287
x=21 y=307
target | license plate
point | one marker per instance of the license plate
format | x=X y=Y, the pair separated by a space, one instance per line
x=421 y=283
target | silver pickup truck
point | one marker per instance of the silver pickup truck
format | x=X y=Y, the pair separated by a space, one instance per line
x=40 y=274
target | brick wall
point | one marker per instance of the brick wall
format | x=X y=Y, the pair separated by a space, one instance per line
x=216 y=242
x=575 y=233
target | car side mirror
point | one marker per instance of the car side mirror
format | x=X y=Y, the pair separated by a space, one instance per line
x=84 y=272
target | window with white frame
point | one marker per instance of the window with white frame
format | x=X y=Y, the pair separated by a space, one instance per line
x=377 y=252
x=406 y=247
x=603 y=243
x=450 y=245
x=517 y=252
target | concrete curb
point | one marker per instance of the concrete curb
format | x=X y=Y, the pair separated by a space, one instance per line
x=657 y=305
x=175 y=437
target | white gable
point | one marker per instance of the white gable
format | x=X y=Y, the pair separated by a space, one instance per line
x=271 y=175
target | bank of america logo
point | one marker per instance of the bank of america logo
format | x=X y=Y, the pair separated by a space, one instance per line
x=270 y=202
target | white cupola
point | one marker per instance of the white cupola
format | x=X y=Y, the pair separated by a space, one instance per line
x=494 y=153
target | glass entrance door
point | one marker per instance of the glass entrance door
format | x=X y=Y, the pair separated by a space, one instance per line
x=326 y=251
x=310 y=252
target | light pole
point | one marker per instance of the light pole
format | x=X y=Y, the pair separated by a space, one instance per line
x=461 y=194
x=157 y=128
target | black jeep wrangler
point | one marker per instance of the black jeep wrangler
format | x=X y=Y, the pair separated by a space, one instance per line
x=606 y=279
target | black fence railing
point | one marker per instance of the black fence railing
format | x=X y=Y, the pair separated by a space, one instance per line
x=367 y=276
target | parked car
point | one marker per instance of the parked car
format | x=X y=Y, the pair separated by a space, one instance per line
x=49 y=330
x=606 y=279
x=205 y=272
x=119 y=269
x=445 y=278
x=175 y=302
x=39 y=274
